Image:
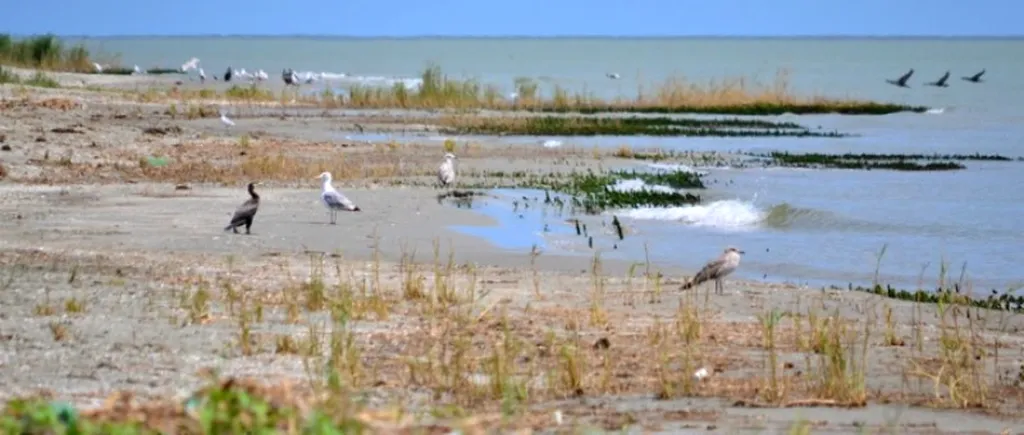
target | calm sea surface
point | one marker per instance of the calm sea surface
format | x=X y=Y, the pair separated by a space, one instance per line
x=821 y=227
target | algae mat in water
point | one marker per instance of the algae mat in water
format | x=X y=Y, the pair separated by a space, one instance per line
x=625 y=126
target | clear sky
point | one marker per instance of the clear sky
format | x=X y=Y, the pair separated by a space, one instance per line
x=521 y=17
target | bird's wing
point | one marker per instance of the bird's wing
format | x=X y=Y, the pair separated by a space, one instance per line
x=335 y=200
x=246 y=210
x=944 y=76
x=709 y=271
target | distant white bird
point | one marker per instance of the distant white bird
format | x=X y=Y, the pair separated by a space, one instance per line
x=261 y=75
x=613 y=76
x=334 y=200
x=97 y=67
x=137 y=71
x=192 y=63
x=446 y=173
x=228 y=123
x=202 y=76
x=551 y=143
x=716 y=270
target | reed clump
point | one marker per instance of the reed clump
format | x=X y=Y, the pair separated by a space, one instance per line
x=623 y=126
x=436 y=90
x=44 y=52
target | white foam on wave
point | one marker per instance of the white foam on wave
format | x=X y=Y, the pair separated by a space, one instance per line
x=727 y=214
x=675 y=167
x=343 y=78
x=638 y=185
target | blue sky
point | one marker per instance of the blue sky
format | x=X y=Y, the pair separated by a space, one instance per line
x=522 y=17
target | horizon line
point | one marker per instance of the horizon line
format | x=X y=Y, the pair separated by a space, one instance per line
x=628 y=37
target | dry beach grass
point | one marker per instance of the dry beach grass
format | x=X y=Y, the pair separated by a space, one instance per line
x=121 y=282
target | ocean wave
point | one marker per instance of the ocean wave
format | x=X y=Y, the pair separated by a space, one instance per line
x=344 y=79
x=675 y=167
x=732 y=214
x=638 y=185
x=725 y=214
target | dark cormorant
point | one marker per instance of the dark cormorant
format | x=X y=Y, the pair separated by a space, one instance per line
x=975 y=78
x=245 y=212
x=227 y=75
x=941 y=82
x=902 y=81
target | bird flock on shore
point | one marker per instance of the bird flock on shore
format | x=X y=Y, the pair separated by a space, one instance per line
x=715 y=270
x=940 y=83
x=334 y=200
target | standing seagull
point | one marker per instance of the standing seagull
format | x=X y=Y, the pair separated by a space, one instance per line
x=975 y=78
x=202 y=76
x=941 y=82
x=245 y=212
x=446 y=173
x=228 y=123
x=334 y=200
x=902 y=81
x=716 y=270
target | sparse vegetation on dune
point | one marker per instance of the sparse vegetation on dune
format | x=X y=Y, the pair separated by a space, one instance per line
x=489 y=366
x=37 y=79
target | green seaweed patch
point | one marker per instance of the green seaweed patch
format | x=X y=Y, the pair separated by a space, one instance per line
x=872 y=157
x=997 y=301
x=674 y=179
x=750 y=109
x=594 y=193
x=842 y=162
x=633 y=126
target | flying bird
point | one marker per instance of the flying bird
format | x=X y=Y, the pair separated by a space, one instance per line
x=941 y=82
x=902 y=81
x=716 y=270
x=245 y=212
x=446 y=173
x=334 y=200
x=975 y=78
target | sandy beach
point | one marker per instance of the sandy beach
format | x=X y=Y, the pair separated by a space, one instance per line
x=117 y=276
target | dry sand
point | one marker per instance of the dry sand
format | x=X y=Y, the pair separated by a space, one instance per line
x=84 y=221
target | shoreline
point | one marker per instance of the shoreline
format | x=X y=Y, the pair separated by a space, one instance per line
x=121 y=281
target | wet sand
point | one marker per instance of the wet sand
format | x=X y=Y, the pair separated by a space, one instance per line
x=103 y=258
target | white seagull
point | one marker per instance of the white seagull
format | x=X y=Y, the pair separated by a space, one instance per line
x=716 y=270
x=446 y=173
x=191 y=64
x=228 y=123
x=334 y=200
x=202 y=76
